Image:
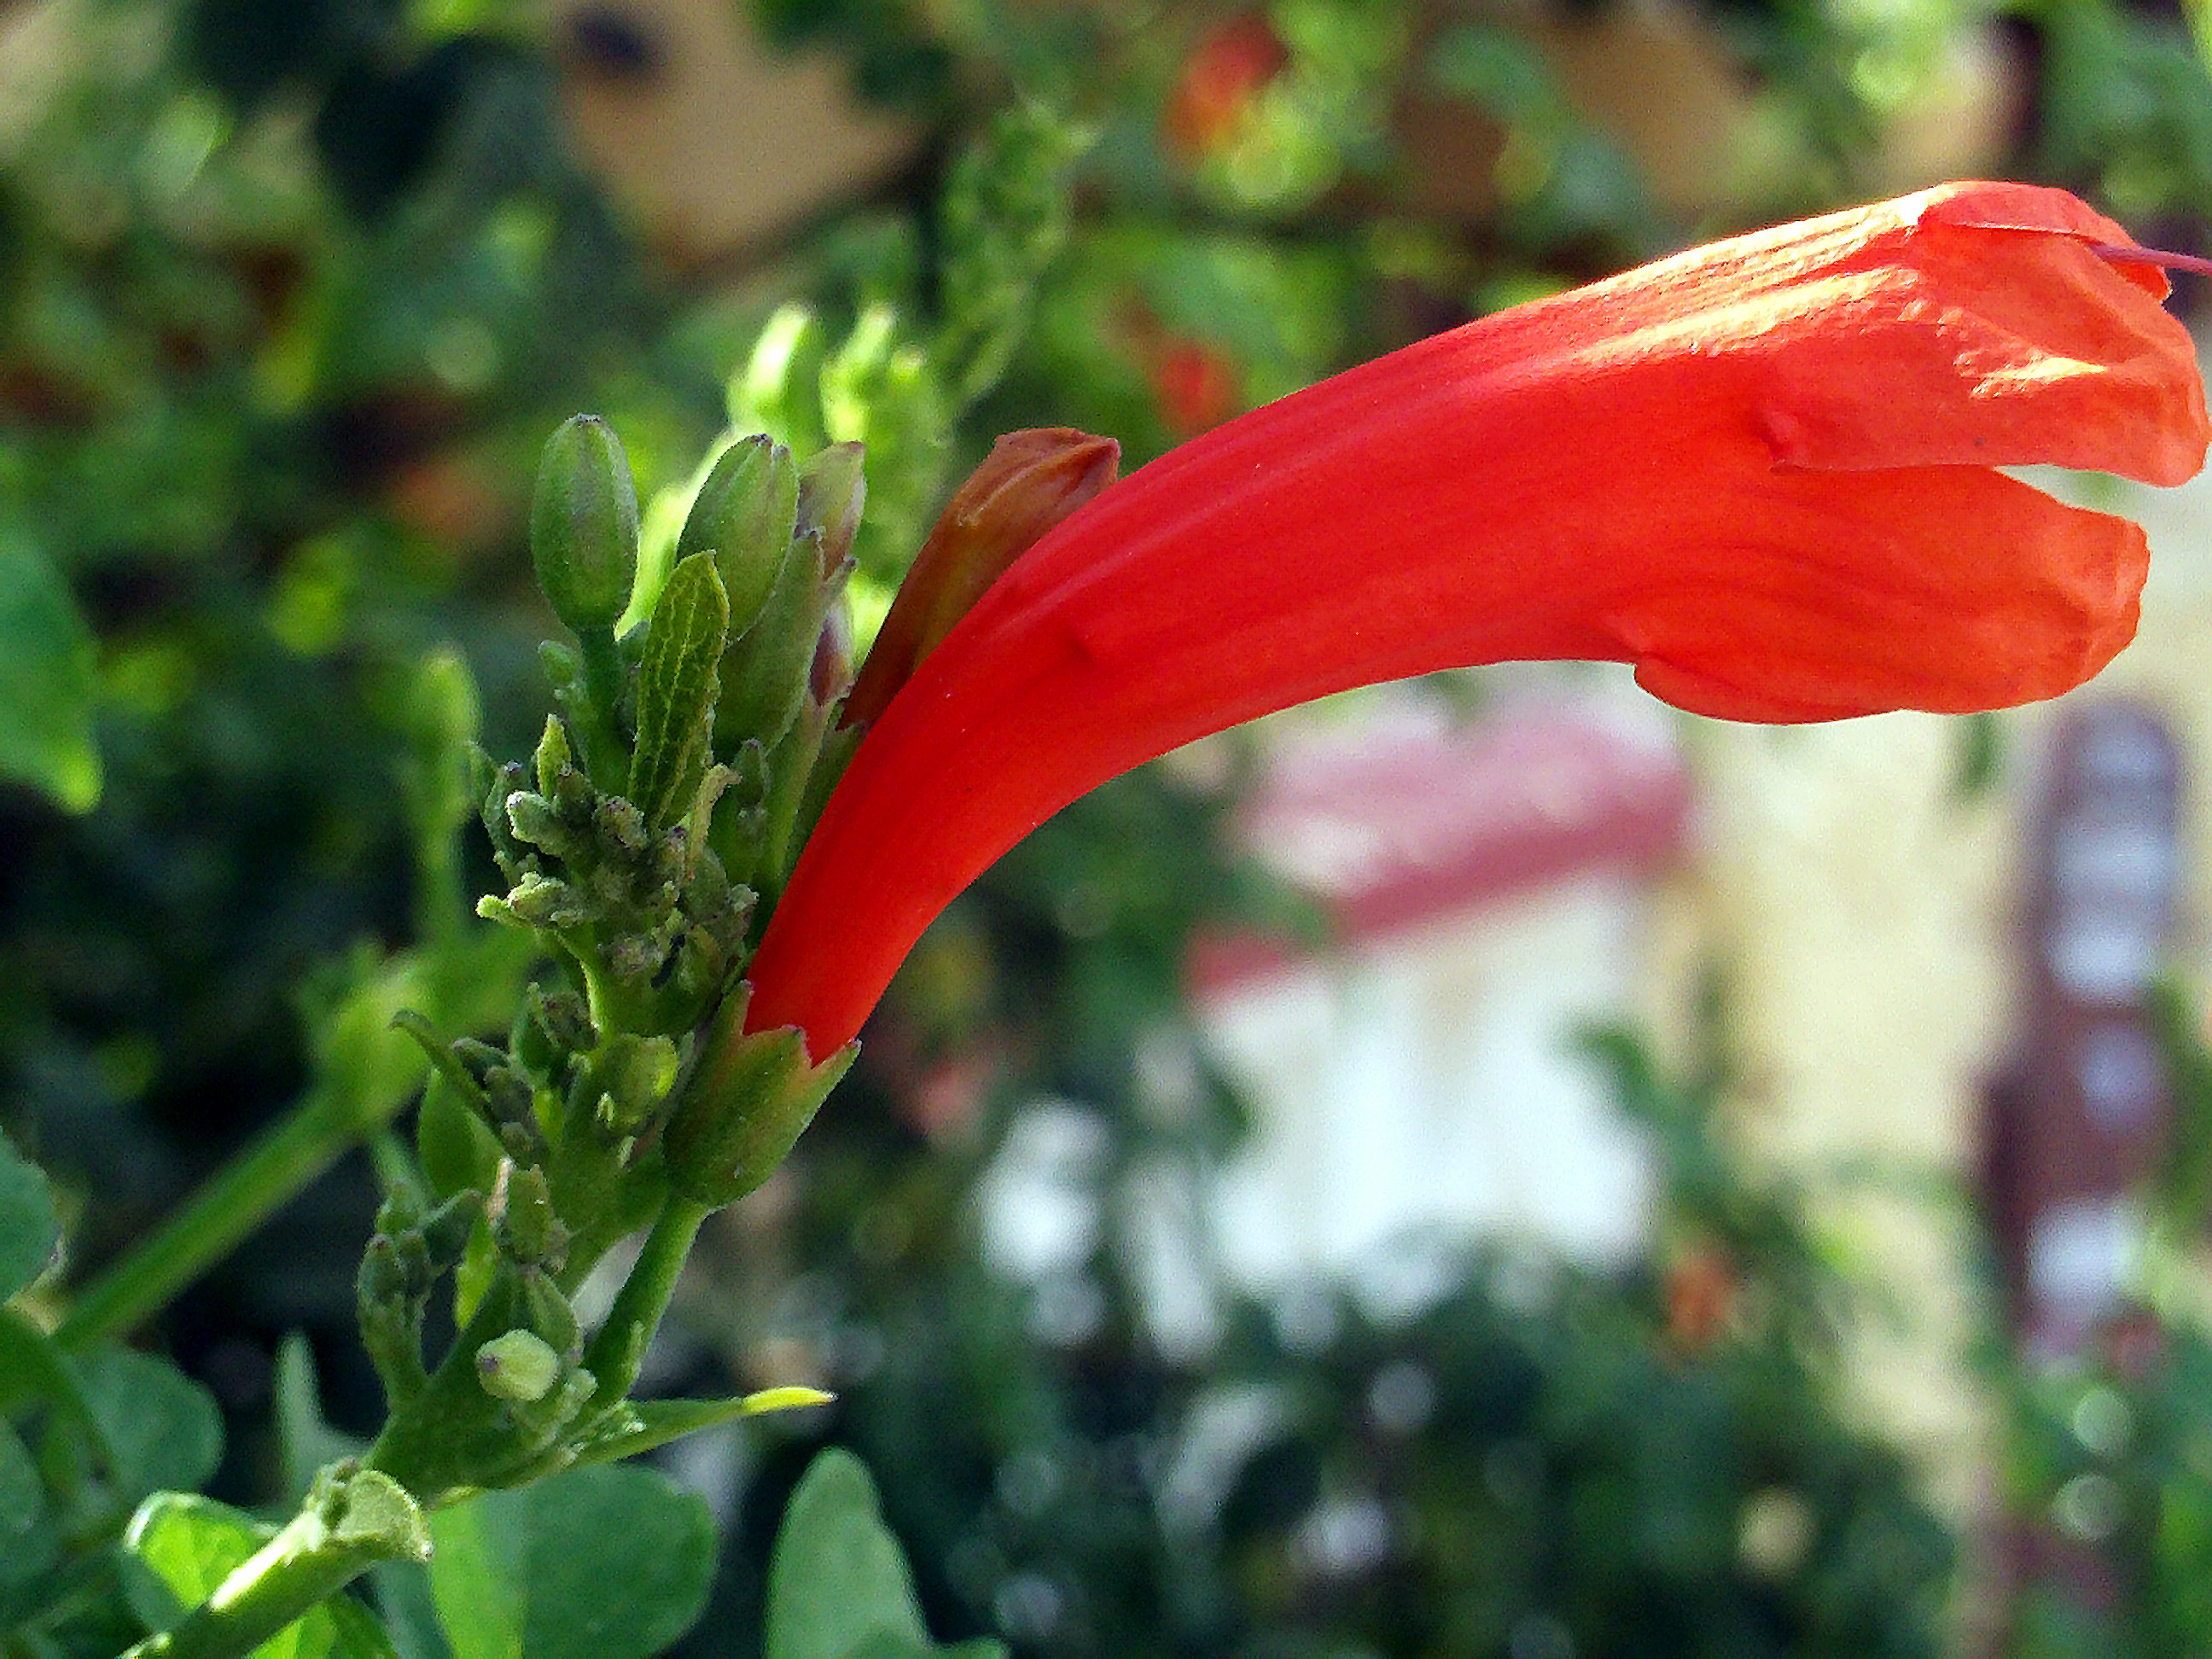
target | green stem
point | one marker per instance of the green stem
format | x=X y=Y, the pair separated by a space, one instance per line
x=619 y=1347
x=605 y=757
x=443 y=907
x=350 y=1524
x=212 y=1223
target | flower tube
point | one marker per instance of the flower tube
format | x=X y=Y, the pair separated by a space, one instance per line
x=1762 y=472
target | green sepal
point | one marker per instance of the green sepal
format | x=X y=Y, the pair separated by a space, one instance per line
x=749 y=1097
x=445 y=1063
x=743 y=515
x=836 y=754
x=675 y=688
x=409 y=1253
x=789 y=769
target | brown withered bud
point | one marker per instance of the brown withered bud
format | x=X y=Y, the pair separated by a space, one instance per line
x=1028 y=482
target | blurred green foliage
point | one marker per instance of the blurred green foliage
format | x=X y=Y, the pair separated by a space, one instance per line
x=290 y=295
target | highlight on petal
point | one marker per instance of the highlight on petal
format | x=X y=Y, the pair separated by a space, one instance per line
x=1761 y=472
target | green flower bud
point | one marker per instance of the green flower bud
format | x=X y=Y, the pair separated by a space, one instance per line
x=631 y=1079
x=766 y=671
x=441 y=716
x=527 y=1228
x=743 y=515
x=518 y=1367
x=583 y=523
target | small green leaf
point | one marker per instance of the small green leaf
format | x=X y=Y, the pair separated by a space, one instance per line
x=162 y=1428
x=534 y=1572
x=29 y=1228
x=838 y=1587
x=48 y=679
x=185 y=1546
x=676 y=683
x=886 y=1646
x=644 y=1424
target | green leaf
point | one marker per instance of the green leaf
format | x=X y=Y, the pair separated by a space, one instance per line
x=676 y=683
x=32 y=1367
x=162 y=1428
x=29 y=1228
x=48 y=679
x=306 y=1441
x=408 y=1611
x=593 y=1564
x=457 y=1147
x=185 y=1546
x=27 y=1545
x=838 y=1587
x=1981 y=751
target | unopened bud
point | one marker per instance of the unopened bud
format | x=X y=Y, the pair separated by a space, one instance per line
x=527 y=1227
x=518 y=1367
x=442 y=717
x=1028 y=482
x=743 y=515
x=833 y=489
x=830 y=675
x=633 y=1078
x=583 y=523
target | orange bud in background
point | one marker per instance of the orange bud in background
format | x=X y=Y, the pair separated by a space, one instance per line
x=1196 y=386
x=1028 y=483
x=1219 y=79
x=1701 y=1294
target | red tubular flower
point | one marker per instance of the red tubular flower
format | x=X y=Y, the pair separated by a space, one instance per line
x=1762 y=471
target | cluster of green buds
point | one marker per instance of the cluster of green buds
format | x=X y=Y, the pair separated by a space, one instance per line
x=696 y=733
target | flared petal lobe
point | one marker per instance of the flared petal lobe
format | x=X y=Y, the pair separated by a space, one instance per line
x=1760 y=471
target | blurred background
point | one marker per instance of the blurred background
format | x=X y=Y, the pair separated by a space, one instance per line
x=1484 y=1166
